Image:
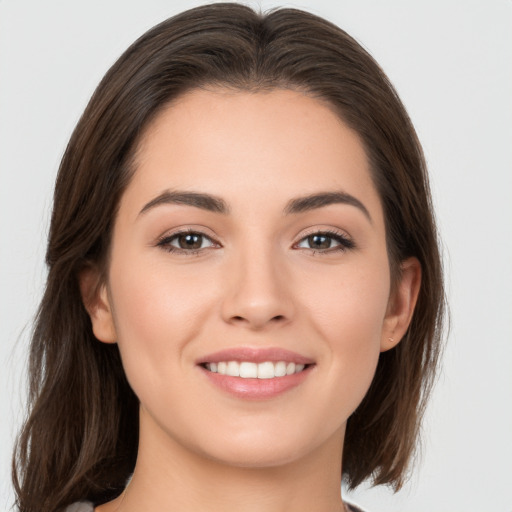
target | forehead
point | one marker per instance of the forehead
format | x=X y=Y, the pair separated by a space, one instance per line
x=266 y=146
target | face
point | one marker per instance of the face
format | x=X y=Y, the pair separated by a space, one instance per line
x=250 y=241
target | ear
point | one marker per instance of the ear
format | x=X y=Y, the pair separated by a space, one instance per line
x=401 y=304
x=98 y=305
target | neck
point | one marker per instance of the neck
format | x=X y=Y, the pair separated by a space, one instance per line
x=170 y=477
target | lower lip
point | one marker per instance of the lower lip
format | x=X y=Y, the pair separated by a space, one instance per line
x=256 y=389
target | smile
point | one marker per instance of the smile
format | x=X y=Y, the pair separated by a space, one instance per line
x=256 y=373
x=250 y=370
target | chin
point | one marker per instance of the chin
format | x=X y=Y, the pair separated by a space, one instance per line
x=262 y=448
x=256 y=457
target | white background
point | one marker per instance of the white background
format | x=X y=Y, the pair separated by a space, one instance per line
x=451 y=62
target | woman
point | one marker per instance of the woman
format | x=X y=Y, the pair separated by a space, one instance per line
x=244 y=298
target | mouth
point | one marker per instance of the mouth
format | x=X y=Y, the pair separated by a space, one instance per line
x=250 y=370
x=250 y=373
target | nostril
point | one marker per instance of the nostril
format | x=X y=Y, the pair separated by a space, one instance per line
x=240 y=318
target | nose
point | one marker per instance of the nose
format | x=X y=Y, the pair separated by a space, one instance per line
x=257 y=291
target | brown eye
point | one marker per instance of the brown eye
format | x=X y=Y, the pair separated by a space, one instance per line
x=187 y=242
x=326 y=242
x=190 y=241
x=319 y=241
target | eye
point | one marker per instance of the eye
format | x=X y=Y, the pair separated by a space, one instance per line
x=188 y=241
x=326 y=241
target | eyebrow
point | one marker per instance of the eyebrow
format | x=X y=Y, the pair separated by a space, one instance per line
x=217 y=205
x=321 y=199
x=199 y=200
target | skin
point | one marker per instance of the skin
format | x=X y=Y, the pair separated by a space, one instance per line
x=256 y=281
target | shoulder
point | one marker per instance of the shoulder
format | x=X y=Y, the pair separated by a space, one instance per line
x=83 y=506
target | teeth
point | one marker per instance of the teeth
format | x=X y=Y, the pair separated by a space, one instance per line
x=233 y=369
x=280 y=369
x=266 y=370
x=248 y=370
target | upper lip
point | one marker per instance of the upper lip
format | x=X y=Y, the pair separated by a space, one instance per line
x=255 y=355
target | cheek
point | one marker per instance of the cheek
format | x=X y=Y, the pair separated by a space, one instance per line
x=349 y=306
x=349 y=316
x=158 y=311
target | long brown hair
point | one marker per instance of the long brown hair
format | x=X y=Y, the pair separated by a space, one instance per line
x=80 y=438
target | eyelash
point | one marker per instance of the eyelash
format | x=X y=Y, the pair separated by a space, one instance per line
x=344 y=242
x=165 y=242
